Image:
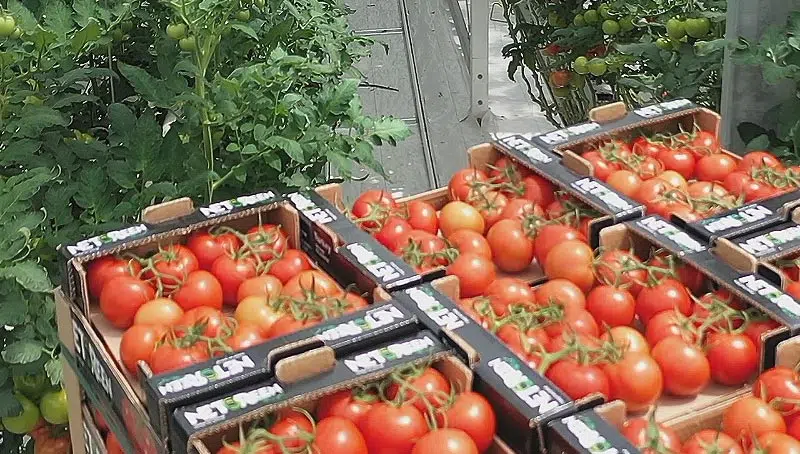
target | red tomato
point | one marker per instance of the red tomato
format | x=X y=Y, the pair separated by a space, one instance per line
x=200 y=288
x=267 y=241
x=290 y=265
x=294 y=427
x=520 y=209
x=245 y=336
x=231 y=272
x=372 y=207
x=388 y=429
x=737 y=183
x=750 y=416
x=208 y=247
x=757 y=160
x=563 y=292
x=625 y=182
x=288 y=325
x=345 y=404
x=354 y=302
x=538 y=190
x=137 y=344
x=312 y=282
x=775 y=443
x=445 y=441
x=491 y=206
x=636 y=379
x=419 y=248
x=666 y=324
x=618 y=267
x=512 y=250
x=266 y=285
x=464 y=182
x=172 y=264
x=102 y=270
x=733 y=358
x=260 y=311
x=550 y=236
x=394 y=228
x=575 y=321
x=473 y=414
x=99 y=420
x=643 y=434
x=506 y=170
x=460 y=215
x=335 y=435
x=571 y=260
x=422 y=216
x=666 y=295
x=646 y=147
x=168 y=357
x=793 y=289
x=524 y=345
x=715 y=167
x=249 y=447
x=780 y=387
x=158 y=311
x=508 y=290
x=627 y=338
x=611 y=306
x=602 y=168
x=470 y=242
x=122 y=296
x=474 y=273
x=208 y=321
x=705 y=141
x=428 y=387
x=112 y=444
x=685 y=368
x=710 y=441
x=578 y=380
x=648 y=168
x=681 y=160
x=701 y=189
x=651 y=190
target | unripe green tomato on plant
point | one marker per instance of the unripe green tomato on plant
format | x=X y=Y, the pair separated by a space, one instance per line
x=611 y=27
x=591 y=17
x=31 y=386
x=579 y=21
x=259 y=3
x=676 y=29
x=605 y=11
x=176 y=31
x=597 y=66
x=577 y=81
x=243 y=15
x=626 y=24
x=117 y=34
x=561 y=92
x=26 y=420
x=7 y=25
x=581 y=65
x=698 y=28
x=664 y=44
x=188 y=44
x=54 y=408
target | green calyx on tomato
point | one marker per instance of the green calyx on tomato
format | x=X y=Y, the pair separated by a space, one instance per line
x=26 y=420
x=31 y=386
x=188 y=44
x=243 y=15
x=676 y=28
x=7 y=25
x=611 y=27
x=698 y=28
x=54 y=408
x=591 y=16
x=581 y=65
x=597 y=66
x=176 y=31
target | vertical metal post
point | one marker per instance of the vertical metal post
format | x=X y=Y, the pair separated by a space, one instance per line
x=479 y=57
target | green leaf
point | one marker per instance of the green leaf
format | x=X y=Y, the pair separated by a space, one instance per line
x=86 y=11
x=90 y=33
x=291 y=147
x=123 y=121
x=749 y=131
x=15 y=310
x=122 y=174
x=388 y=129
x=759 y=143
x=260 y=132
x=58 y=17
x=247 y=30
x=23 y=351
x=25 y=20
x=73 y=98
x=37 y=118
x=28 y=274
x=9 y=405
x=19 y=151
x=54 y=371
x=150 y=88
x=337 y=100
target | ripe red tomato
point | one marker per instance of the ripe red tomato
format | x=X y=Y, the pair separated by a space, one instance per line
x=464 y=182
x=245 y=336
x=388 y=429
x=209 y=321
x=521 y=208
x=260 y=311
x=757 y=160
x=702 y=189
x=419 y=249
x=137 y=344
x=625 y=182
x=122 y=296
x=512 y=250
x=335 y=435
x=158 y=311
x=112 y=444
x=563 y=292
x=460 y=215
x=751 y=416
x=715 y=167
x=643 y=434
x=248 y=447
x=666 y=295
x=780 y=387
x=231 y=271
x=574 y=321
x=646 y=147
x=706 y=142
x=491 y=206
x=775 y=443
x=470 y=242
x=473 y=414
x=668 y=323
x=102 y=270
x=208 y=247
x=627 y=338
x=429 y=385
x=552 y=235
x=267 y=241
x=172 y=264
x=674 y=179
x=508 y=290
x=685 y=368
x=602 y=168
x=474 y=273
x=506 y=170
x=267 y=286
x=345 y=404
x=651 y=190
x=618 y=267
x=648 y=168
x=636 y=379
x=287 y=324
x=168 y=357
x=538 y=190
x=525 y=345
x=290 y=265
x=394 y=228
x=445 y=441
x=733 y=358
x=578 y=380
x=710 y=441
x=372 y=207
x=571 y=260
x=611 y=305
x=681 y=160
x=311 y=282
x=200 y=288
x=422 y=216
x=295 y=427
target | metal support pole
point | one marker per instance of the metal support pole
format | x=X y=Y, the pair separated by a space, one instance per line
x=479 y=57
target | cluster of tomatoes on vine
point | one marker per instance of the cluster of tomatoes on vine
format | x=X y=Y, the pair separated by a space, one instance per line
x=503 y=218
x=579 y=328
x=416 y=410
x=765 y=422
x=688 y=174
x=171 y=303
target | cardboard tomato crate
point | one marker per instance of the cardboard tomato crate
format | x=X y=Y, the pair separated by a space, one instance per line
x=94 y=343
x=614 y=121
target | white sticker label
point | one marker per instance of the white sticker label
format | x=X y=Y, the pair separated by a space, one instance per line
x=378 y=268
x=682 y=239
x=658 y=110
x=434 y=309
x=217 y=410
x=769 y=241
x=532 y=394
x=225 y=369
x=374 y=360
x=587 y=437
x=527 y=149
x=610 y=198
x=757 y=286
x=562 y=135
x=743 y=216
x=94 y=243
x=226 y=206
x=310 y=209
x=373 y=320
